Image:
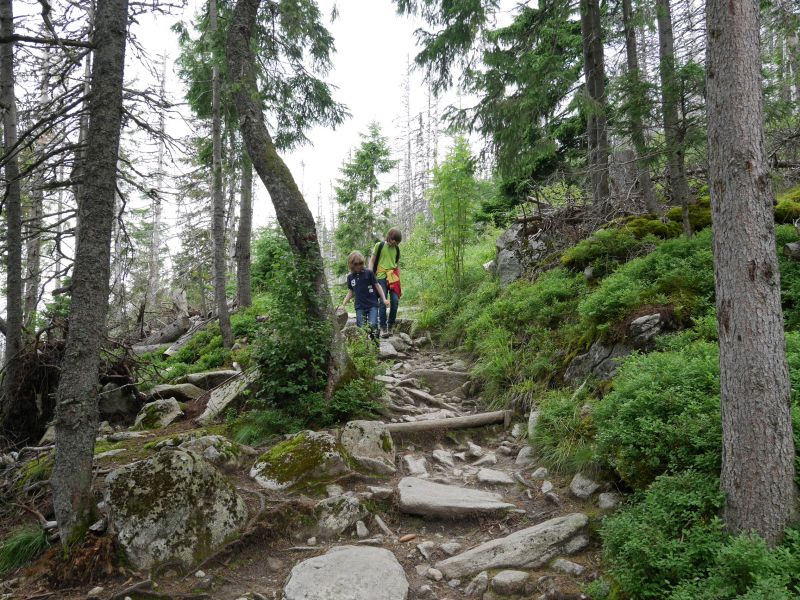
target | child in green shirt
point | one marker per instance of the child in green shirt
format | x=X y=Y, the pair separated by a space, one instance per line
x=387 y=256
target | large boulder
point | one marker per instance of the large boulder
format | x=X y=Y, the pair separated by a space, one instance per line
x=370 y=445
x=517 y=249
x=422 y=497
x=528 y=548
x=118 y=404
x=439 y=381
x=210 y=379
x=348 y=573
x=158 y=414
x=218 y=450
x=308 y=459
x=174 y=506
x=601 y=361
x=183 y=392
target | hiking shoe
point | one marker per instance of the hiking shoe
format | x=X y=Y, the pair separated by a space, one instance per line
x=385 y=333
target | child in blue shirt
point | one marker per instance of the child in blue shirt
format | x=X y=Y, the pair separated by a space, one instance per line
x=362 y=284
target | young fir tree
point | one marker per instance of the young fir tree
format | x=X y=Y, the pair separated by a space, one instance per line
x=364 y=212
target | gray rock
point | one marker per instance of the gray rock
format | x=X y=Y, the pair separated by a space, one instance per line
x=424 y=592
x=601 y=361
x=338 y=514
x=473 y=450
x=308 y=458
x=567 y=567
x=444 y=457
x=478 y=585
x=370 y=445
x=525 y=457
x=509 y=582
x=216 y=449
x=451 y=548
x=493 y=477
x=528 y=548
x=172 y=507
x=117 y=403
x=540 y=473
x=380 y=493
x=95 y=592
x=608 y=500
x=533 y=420
x=490 y=458
x=434 y=574
x=518 y=430
x=387 y=350
x=517 y=250
x=792 y=250
x=121 y=436
x=158 y=414
x=439 y=381
x=547 y=486
x=361 y=530
x=415 y=465
x=644 y=329
x=426 y=548
x=582 y=487
x=348 y=573
x=211 y=379
x=183 y=392
x=230 y=391
x=422 y=497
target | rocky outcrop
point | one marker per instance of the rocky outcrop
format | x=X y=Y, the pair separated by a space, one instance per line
x=439 y=381
x=348 y=573
x=528 y=548
x=118 y=404
x=600 y=361
x=158 y=414
x=183 y=392
x=518 y=249
x=172 y=507
x=310 y=458
x=370 y=445
x=421 y=497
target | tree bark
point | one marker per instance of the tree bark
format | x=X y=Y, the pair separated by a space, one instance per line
x=673 y=130
x=758 y=450
x=218 y=199
x=243 y=283
x=291 y=209
x=76 y=409
x=594 y=71
x=154 y=260
x=637 y=126
x=13 y=205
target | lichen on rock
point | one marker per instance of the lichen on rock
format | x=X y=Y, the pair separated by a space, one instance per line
x=160 y=413
x=174 y=506
x=309 y=458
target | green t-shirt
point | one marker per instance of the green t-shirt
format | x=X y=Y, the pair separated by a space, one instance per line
x=388 y=259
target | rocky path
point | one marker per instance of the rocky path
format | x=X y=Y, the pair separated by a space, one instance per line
x=444 y=513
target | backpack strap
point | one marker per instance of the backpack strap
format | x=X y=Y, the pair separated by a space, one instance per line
x=378 y=255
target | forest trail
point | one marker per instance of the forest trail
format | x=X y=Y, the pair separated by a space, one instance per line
x=467 y=513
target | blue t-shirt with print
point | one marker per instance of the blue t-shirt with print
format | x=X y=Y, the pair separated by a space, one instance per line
x=363 y=287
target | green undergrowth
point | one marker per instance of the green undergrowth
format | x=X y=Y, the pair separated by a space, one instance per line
x=21 y=547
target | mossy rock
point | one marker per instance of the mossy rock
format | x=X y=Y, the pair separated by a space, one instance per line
x=370 y=444
x=160 y=413
x=699 y=214
x=218 y=450
x=174 y=506
x=787 y=210
x=308 y=459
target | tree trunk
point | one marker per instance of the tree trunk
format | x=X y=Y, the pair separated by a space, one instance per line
x=637 y=127
x=13 y=206
x=243 y=283
x=758 y=449
x=673 y=130
x=76 y=409
x=594 y=70
x=154 y=259
x=218 y=218
x=291 y=209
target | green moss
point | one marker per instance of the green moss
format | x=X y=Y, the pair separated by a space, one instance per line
x=106 y=446
x=699 y=214
x=298 y=460
x=39 y=469
x=787 y=210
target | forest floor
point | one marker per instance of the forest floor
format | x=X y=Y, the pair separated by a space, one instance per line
x=259 y=564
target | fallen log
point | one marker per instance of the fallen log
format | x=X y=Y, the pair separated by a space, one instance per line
x=221 y=396
x=186 y=337
x=478 y=420
x=169 y=333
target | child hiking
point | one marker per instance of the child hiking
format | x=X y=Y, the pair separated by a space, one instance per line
x=384 y=262
x=362 y=284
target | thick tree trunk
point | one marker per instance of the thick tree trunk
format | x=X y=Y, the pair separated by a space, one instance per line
x=243 y=284
x=291 y=209
x=76 y=409
x=637 y=126
x=218 y=199
x=13 y=207
x=758 y=449
x=594 y=70
x=673 y=129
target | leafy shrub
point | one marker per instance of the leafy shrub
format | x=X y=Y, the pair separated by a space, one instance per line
x=662 y=415
x=669 y=534
x=678 y=272
x=564 y=435
x=790 y=277
x=21 y=547
x=271 y=256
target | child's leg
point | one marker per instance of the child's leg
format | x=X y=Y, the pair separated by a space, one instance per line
x=373 y=321
x=394 y=302
x=382 y=308
x=360 y=317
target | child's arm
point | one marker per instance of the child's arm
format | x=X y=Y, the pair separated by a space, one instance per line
x=379 y=289
x=348 y=298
